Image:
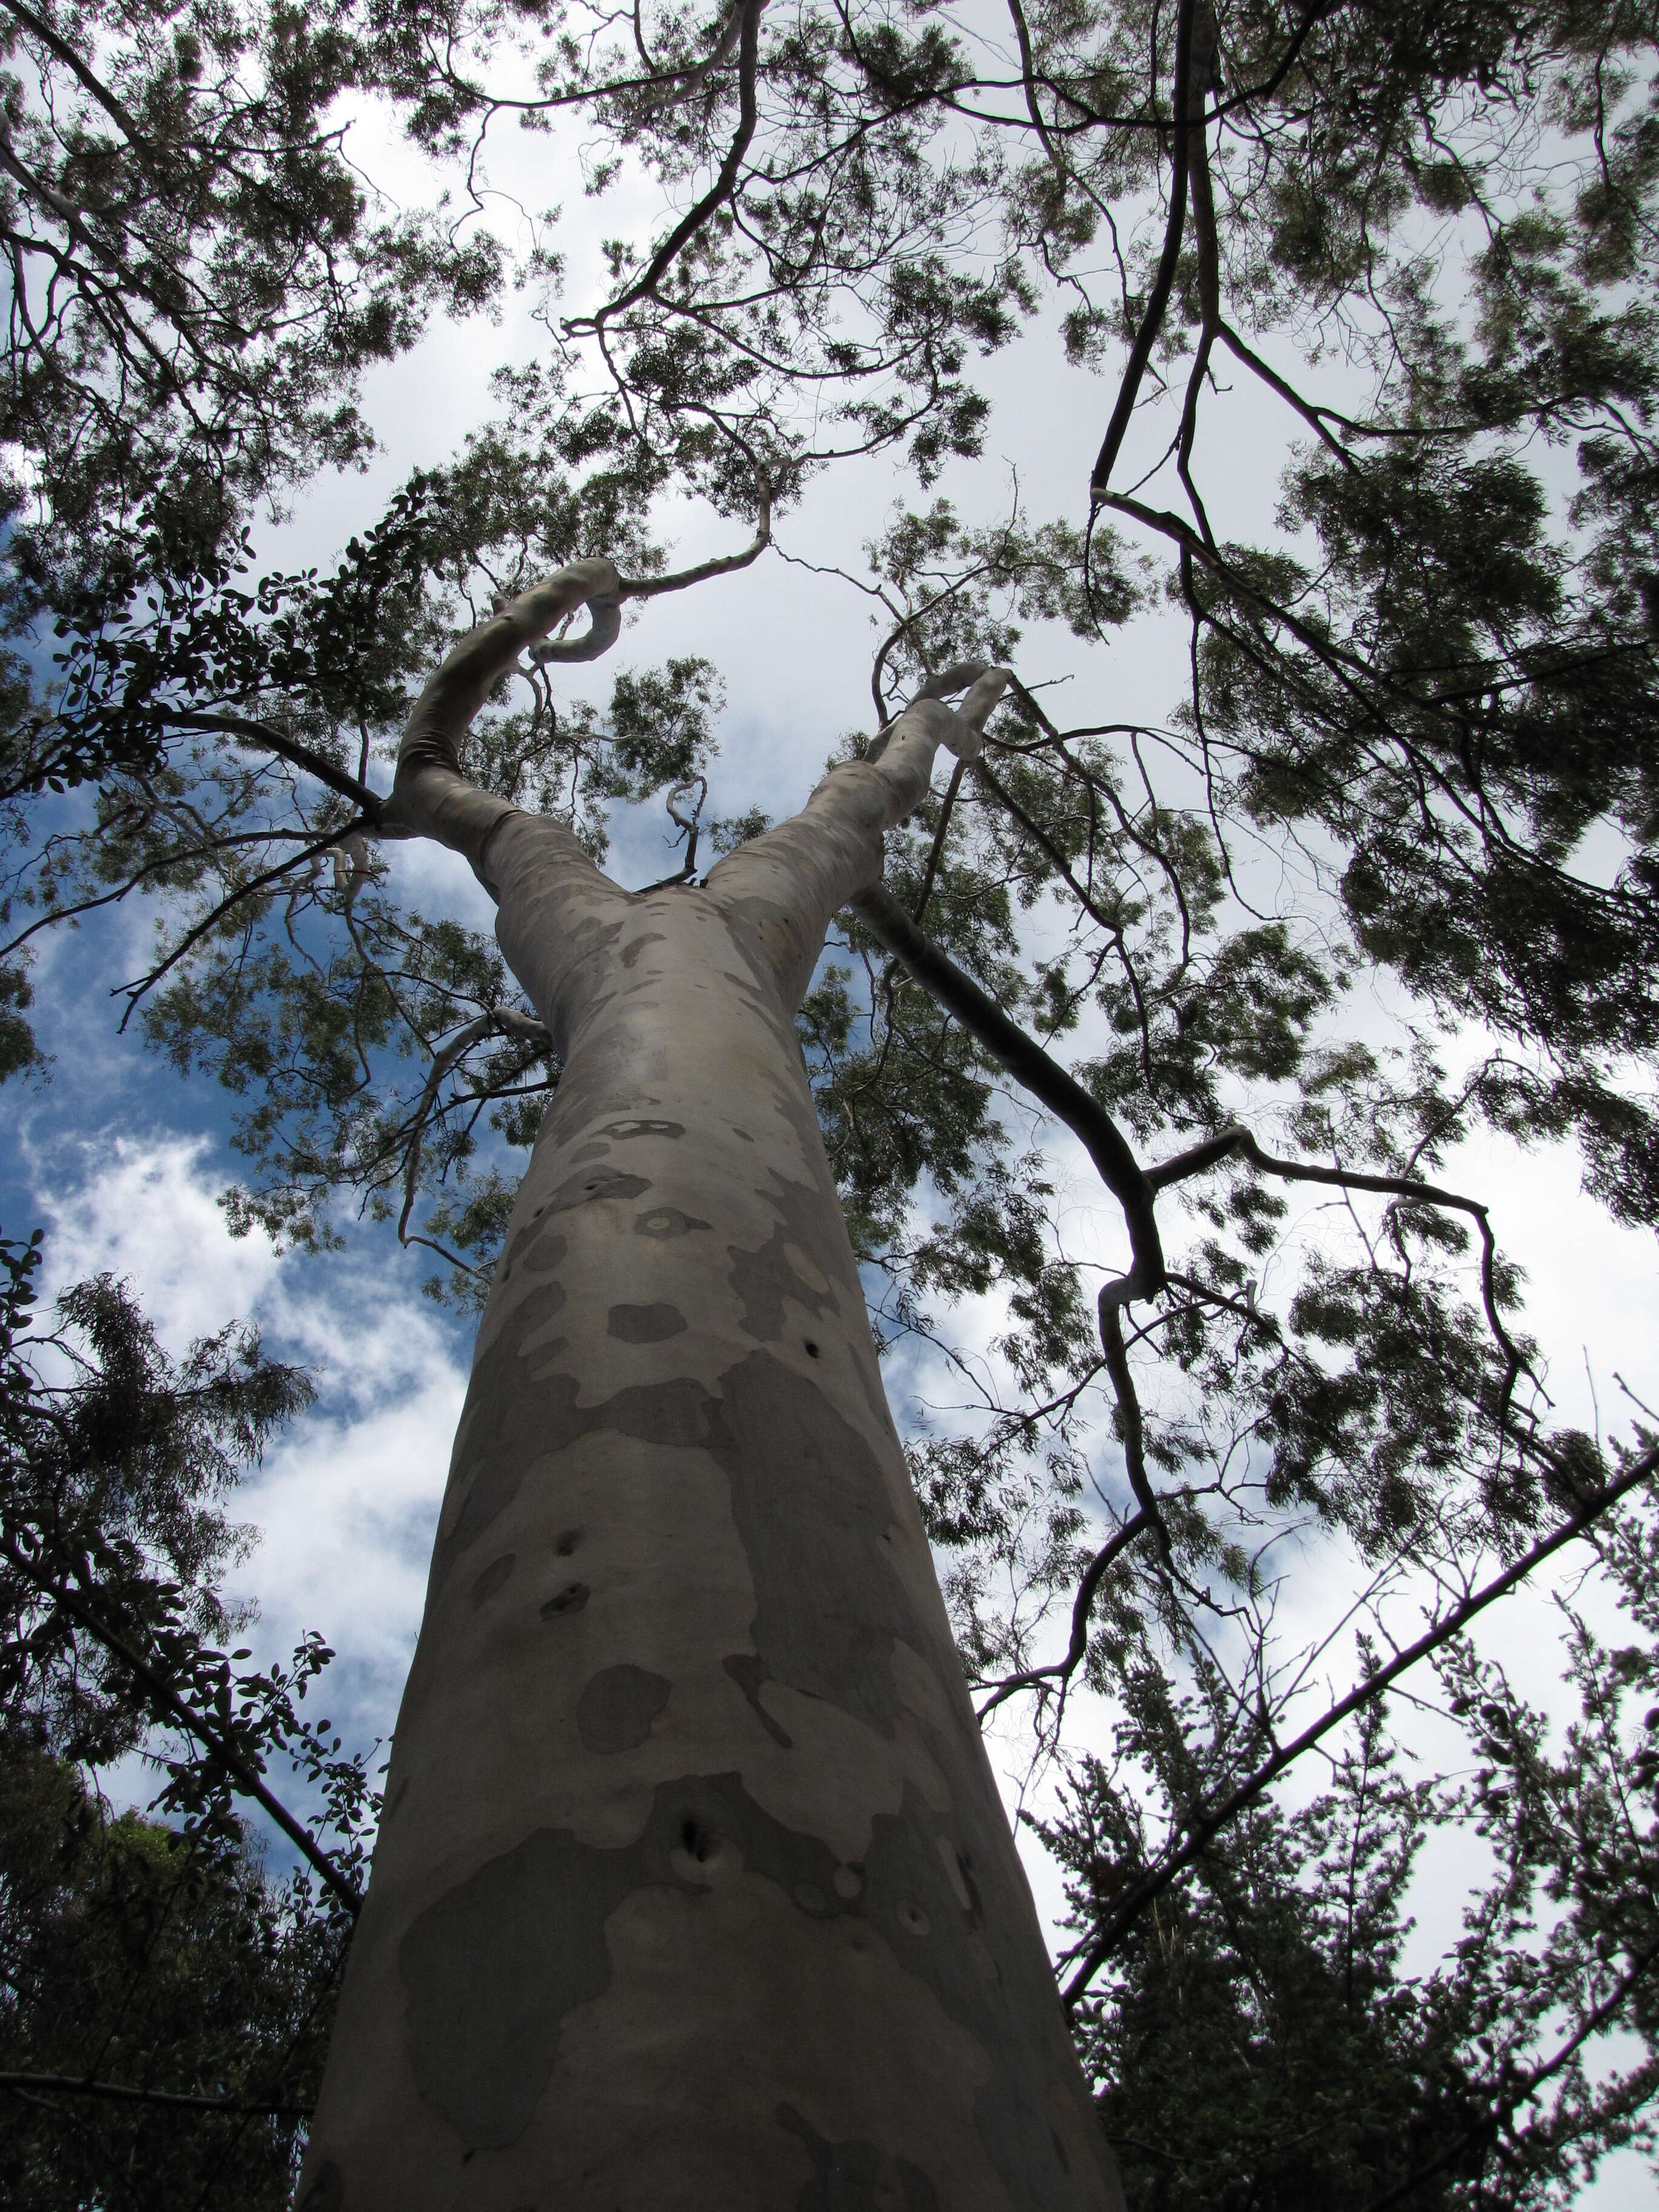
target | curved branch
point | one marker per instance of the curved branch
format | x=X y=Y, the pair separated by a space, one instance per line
x=430 y=795
x=1113 y=1299
x=651 y=587
x=683 y=84
x=1093 y=1574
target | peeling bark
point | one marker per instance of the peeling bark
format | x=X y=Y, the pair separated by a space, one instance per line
x=694 y=1888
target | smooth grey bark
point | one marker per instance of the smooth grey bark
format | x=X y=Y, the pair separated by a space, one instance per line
x=693 y=1887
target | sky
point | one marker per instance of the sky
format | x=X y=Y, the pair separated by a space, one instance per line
x=123 y=1163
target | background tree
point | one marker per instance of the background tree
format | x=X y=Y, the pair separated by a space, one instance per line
x=165 y=1998
x=1425 y=695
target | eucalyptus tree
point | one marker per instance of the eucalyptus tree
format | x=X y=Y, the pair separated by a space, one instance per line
x=1426 y=693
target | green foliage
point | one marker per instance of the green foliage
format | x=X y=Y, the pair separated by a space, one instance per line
x=1264 y=2036
x=1410 y=754
x=159 y=1963
x=150 y=1958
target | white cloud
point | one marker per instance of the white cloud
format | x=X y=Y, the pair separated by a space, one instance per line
x=346 y=1500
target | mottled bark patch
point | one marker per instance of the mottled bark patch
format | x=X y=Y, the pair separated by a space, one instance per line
x=846 y=2175
x=664 y=1222
x=616 y=1708
x=493 y=1967
x=620 y=1130
x=645 y=1324
x=763 y=1278
x=535 y=1247
x=571 y=1599
x=749 y=1672
x=830 y=1604
x=609 y=1069
x=513 y=1418
x=591 y=1186
x=830 y=1608
x=631 y=953
x=495 y=1576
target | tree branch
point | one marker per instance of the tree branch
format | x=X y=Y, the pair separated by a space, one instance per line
x=937 y=848
x=1093 y=1574
x=502 y=1021
x=1151 y=320
x=167 y=1698
x=1600 y=2016
x=430 y=796
x=1029 y=1065
x=136 y=991
x=1240 y=1141
x=39 y=28
x=288 y=749
x=70 y=2085
x=651 y=587
x=1205 y=1824
x=693 y=220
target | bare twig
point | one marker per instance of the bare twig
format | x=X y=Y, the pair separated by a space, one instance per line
x=501 y=1021
x=958 y=769
x=134 y=992
x=1594 y=2022
x=1239 y=1142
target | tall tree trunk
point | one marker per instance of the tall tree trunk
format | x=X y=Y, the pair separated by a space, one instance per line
x=694 y=1888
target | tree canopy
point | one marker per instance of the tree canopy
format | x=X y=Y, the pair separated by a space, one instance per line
x=1409 y=735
